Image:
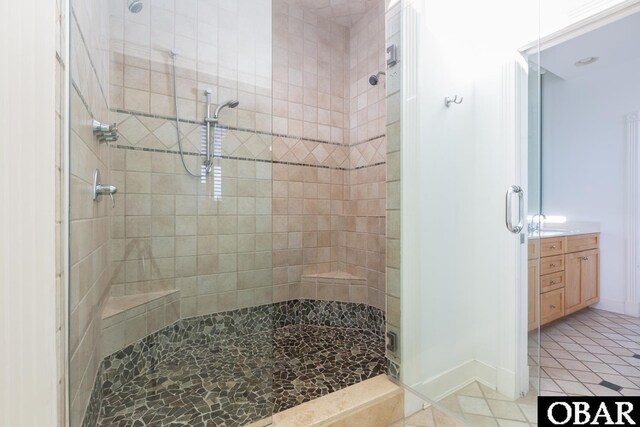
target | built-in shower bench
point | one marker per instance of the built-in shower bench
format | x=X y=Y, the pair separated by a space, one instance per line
x=126 y=319
x=335 y=286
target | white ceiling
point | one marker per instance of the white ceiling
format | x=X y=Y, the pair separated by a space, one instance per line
x=614 y=44
x=343 y=12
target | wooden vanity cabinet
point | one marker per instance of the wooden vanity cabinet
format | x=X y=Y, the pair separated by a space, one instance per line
x=565 y=277
x=582 y=287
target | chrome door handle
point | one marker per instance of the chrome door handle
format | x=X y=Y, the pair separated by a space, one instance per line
x=518 y=191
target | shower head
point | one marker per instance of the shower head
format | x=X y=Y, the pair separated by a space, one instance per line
x=233 y=103
x=374 y=79
x=135 y=6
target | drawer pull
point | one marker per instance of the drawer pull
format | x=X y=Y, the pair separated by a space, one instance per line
x=552 y=307
x=552 y=265
x=553 y=282
x=552 y=246
x=585 y=258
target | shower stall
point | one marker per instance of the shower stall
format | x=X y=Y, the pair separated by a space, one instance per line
x=232 y=264
x=296 y=196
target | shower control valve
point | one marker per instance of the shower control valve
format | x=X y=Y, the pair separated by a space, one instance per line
x=392 y=341
x=100 y=190
x=105 y=132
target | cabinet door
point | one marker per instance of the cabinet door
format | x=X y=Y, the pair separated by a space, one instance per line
x=534 y=278
x=589 y=262
x=572 y=287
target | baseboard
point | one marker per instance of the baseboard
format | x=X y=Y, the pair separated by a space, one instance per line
x=632 y=308
x=613 y=306
x=456 y=378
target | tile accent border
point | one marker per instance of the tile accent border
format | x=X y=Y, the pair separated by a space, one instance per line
x=274 y=134
x=217 y=157
x=155 y=133
x=119 y=368
x=278 y=162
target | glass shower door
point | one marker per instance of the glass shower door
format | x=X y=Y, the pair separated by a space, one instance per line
x=464 y=293
x=171 y=296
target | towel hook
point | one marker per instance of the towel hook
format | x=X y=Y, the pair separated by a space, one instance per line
x=448 y=100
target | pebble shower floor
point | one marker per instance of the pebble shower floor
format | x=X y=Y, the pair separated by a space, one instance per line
x=245 y=377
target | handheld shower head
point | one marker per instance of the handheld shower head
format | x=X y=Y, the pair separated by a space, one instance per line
x=374 y=79
x=135 y=6
x=232 y=103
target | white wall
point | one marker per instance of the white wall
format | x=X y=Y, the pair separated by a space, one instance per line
x=459 y=263
x=440 y=303
x=27 y=214
x=584 y=160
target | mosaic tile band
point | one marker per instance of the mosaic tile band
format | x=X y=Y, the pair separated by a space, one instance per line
x=281 y=354
x=157 y=133
x=274 y=134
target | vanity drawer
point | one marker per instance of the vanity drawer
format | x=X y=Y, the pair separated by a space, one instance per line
x=551 y=264
x=552 y=246
x=583 y=242
x=551 y=306
x=551 y=282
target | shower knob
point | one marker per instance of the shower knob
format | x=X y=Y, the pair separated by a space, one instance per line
x=100 y=190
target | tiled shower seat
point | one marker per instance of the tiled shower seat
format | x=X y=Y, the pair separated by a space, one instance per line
x=126 y=319
x=334 y=286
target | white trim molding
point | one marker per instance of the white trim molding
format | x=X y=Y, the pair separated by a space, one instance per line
x=594 y=15
x=631 y=304
x=28 y=364
x=458 y=377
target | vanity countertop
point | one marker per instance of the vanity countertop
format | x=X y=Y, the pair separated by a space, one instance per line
x=567 y=229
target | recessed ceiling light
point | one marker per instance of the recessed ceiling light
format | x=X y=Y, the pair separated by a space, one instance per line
x=586 y=61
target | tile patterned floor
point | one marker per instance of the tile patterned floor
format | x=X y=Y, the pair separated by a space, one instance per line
x=482 y=406
x=237 y=381
x=429 y=417
x=591 y=352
